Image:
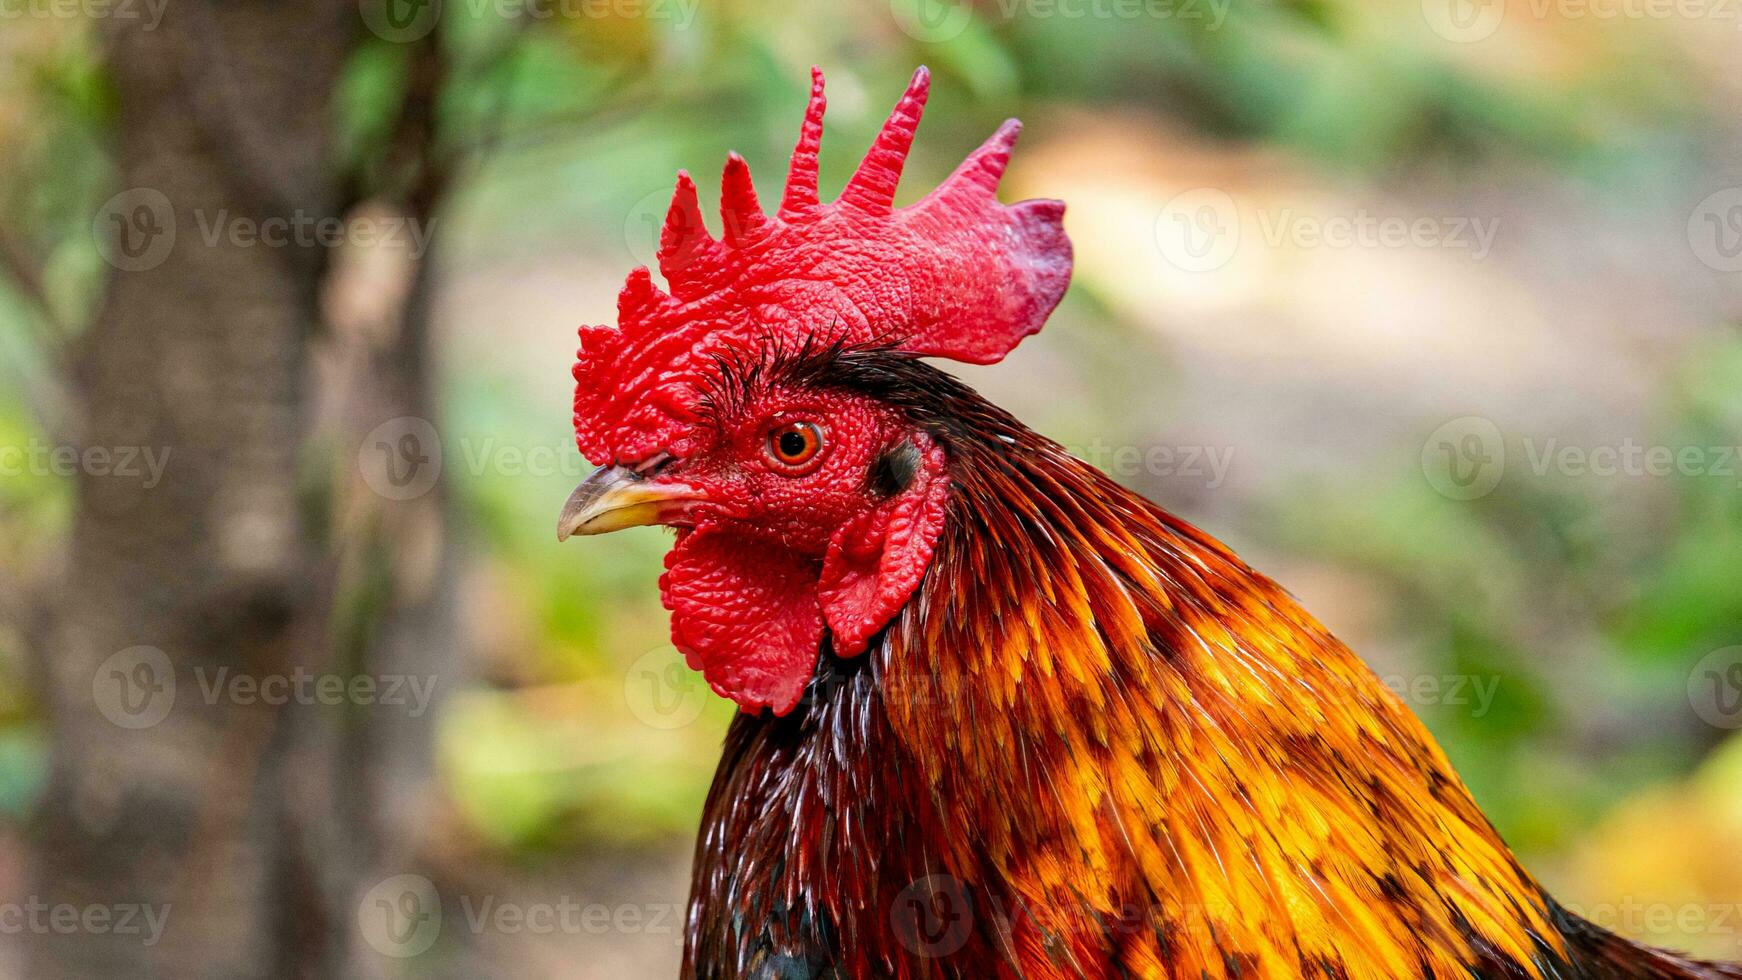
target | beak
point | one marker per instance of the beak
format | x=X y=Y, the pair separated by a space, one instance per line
x=616 y=497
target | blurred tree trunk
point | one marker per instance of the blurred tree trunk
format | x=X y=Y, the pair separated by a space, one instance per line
x=205 y=815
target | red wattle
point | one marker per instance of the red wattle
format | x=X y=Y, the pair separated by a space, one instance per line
x=744 y=612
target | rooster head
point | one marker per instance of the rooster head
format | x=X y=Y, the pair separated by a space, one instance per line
x=804 y=510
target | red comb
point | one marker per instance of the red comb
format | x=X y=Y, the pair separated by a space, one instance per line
x=955 y=275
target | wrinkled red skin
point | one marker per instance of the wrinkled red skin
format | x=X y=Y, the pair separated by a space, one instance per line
x=771 y=558
x=955 y=275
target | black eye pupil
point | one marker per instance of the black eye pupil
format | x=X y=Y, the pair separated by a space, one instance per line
x=792 y=444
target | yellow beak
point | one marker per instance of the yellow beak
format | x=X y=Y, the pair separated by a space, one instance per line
x=616 y=497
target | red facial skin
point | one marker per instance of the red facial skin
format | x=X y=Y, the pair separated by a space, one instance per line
x=757 y=497
x=773 y=553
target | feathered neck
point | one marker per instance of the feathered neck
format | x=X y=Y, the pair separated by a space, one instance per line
x=1124 y=751
x=1139 y=728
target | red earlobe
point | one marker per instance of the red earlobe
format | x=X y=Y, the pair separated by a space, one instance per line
x=875 y=562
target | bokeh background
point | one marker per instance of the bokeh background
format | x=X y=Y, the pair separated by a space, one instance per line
x=1430 y=309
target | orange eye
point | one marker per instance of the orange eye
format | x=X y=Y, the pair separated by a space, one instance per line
x=795 y=447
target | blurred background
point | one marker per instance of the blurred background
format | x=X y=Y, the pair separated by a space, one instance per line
x=1429 y=309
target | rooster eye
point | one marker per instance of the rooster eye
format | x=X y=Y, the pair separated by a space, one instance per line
x=795 y=447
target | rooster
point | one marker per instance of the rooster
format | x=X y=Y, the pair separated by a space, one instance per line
x=1001 y=717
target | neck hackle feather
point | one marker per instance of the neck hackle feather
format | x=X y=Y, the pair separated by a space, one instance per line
x=1097 y=744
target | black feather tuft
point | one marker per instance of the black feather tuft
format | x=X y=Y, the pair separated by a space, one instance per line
x=894 y=469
